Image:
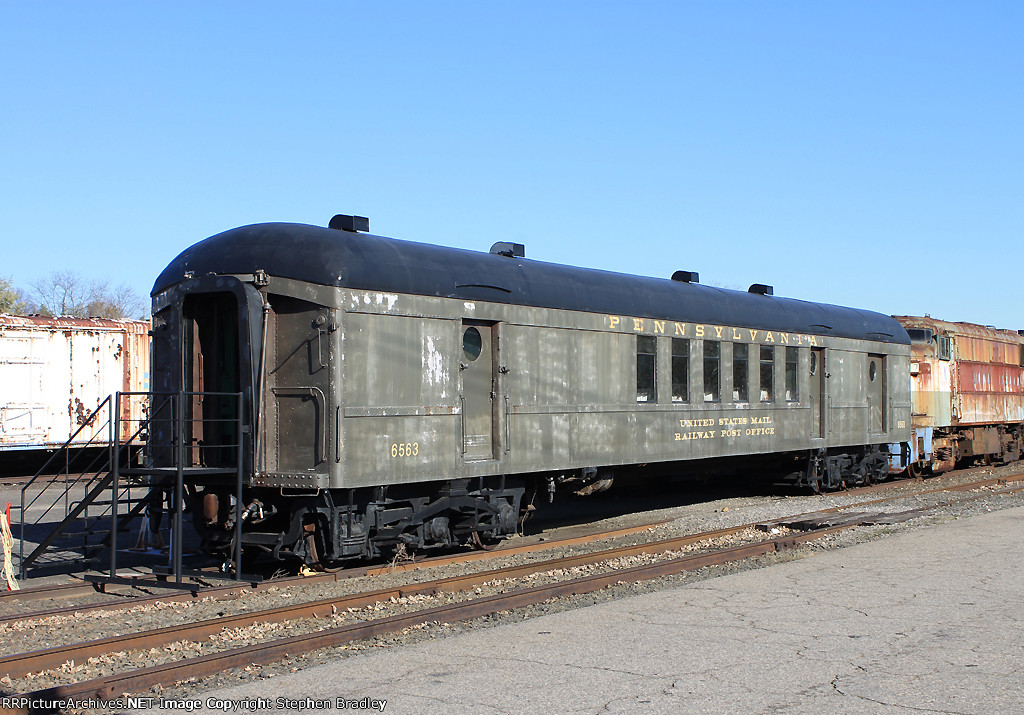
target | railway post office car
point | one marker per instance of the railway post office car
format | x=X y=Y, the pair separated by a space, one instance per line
x=397 y=393
x=967 y=385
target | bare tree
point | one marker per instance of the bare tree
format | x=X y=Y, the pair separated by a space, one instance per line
x=68 y=293
x=120 y=303
x=13 y=300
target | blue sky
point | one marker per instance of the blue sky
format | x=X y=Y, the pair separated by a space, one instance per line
x=860 y=153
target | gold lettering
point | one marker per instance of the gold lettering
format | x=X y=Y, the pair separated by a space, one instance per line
x=718 y=331
x=736 y=334
x=613 y=321
x=753 y=334
x=638 y=324
x=811 y=340
x=684 y=436
x=700 y=331
x=659 y=326
x=785 y=338
x=680 y=328
x=799 y=339
x=769 y=338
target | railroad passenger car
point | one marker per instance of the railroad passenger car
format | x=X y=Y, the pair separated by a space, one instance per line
x=396 y=393
x=967 y=384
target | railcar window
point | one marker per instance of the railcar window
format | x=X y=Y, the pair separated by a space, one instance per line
x=1022 y=355
x=920 y=335
x=646 y=368
x=680 y=370
x=792 y=384
x=472 y=343
x=767 y=373
x=740 y=373
x=872 y=371
x=944 y=348
x=712 y=372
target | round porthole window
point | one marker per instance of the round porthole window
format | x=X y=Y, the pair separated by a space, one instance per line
x=872 y=370
x=471 y=343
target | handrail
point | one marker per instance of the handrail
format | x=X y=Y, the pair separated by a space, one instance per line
x=88 y=421
x=103 y=475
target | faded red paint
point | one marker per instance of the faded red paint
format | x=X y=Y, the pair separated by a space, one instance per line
x=986 y=374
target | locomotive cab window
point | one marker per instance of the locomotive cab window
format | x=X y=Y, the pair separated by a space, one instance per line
x=646 y=368
x=945 y=347
x=792 y=384
x=740 y=373
x=712 y=371
x=767 y=373
x=681 y=370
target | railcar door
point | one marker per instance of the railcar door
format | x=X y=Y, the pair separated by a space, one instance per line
x=876 y=392
x=817 y=392
x=211 y=366
x=297 y=369
x=476 y=364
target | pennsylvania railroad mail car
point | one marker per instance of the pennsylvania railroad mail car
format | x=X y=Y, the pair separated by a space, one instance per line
x=402 y=393
x=967 y=383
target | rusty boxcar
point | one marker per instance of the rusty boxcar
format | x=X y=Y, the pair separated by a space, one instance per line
x=374 y=393
x=968 y=393
x=55 y=371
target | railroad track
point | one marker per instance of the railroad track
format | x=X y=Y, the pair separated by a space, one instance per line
x=203 y=590
x=471 y=606
x=129 y=597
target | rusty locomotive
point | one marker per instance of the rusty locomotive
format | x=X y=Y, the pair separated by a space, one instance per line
x=338 y=395
x=967 y=384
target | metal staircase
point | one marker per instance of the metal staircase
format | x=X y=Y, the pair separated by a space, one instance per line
x=80 y=505
x=67 y=507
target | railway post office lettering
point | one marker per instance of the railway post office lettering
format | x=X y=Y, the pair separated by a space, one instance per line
x=732 y=427
x=683 y=436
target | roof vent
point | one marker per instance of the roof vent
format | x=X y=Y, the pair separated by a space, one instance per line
x=686 y=277
x=1020 y=332
x=512 y=250
x=341 y=222
x=761 y=289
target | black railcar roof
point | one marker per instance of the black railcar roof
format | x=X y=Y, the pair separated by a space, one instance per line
x=366 y=262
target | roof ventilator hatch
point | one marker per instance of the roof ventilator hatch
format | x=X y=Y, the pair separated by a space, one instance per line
x=512 y=250
x=686 y=277
x=352 y=224
x=761 y=289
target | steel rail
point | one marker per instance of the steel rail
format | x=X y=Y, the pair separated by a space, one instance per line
x=262 y=654
x=265 y=653
x=234 y=590
x=21 y=664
